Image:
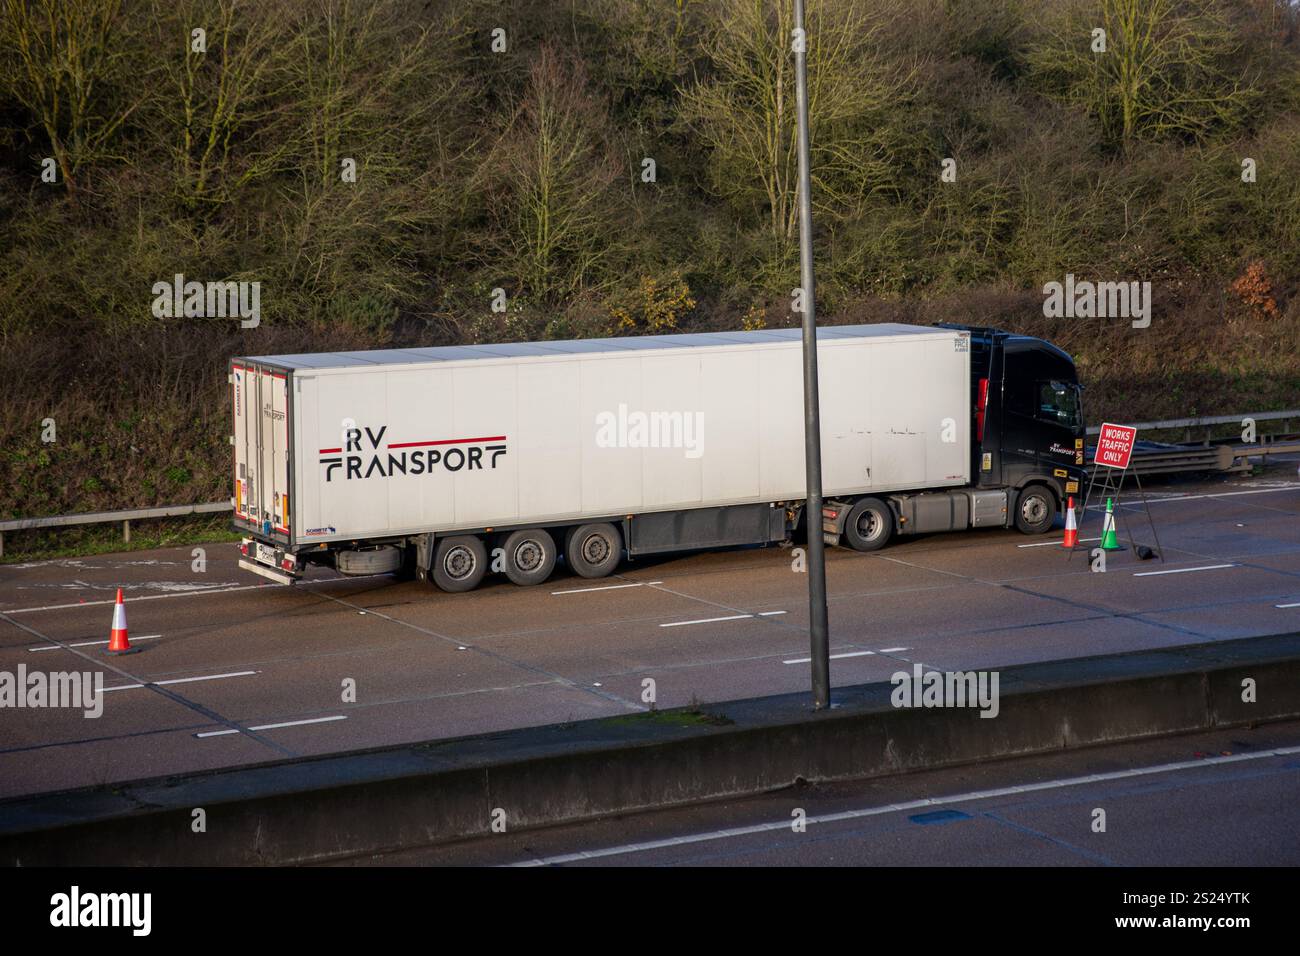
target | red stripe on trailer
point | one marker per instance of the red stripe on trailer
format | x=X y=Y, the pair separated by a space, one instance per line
x=330 y=451
x=444 y=441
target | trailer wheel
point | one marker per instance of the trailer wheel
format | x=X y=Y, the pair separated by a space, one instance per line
x=459 y=563
x=1035 y=510
x=593 y=550
x=530 y=556
x=869 y=525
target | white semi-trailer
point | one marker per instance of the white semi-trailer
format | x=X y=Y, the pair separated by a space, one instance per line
x=448 y=463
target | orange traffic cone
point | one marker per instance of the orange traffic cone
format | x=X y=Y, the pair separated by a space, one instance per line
x=118 y=643
x=1071 y=528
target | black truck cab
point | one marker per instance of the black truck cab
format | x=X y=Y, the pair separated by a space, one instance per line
x=1027 y=451
x=1028 y=409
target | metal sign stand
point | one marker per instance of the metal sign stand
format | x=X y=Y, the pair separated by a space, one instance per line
x=1159 y=551
x=1109 y=489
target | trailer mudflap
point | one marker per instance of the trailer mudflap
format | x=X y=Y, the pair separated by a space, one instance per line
x=834 y=514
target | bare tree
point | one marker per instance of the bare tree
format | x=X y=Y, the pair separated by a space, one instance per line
x=743 y=110
x=1160 y=68
x=65 y=63
x=220 y=105
x=547 y=183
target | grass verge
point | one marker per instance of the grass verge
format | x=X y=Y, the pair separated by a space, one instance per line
x=44 y=544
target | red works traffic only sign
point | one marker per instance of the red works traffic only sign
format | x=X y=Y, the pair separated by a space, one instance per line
x=1115 y=445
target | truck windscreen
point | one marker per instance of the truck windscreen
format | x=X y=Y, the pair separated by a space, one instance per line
x=1059 y=402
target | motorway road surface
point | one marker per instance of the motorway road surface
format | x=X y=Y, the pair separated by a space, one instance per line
x=1214 y=799
x=236 y=670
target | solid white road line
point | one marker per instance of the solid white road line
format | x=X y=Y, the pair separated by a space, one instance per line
x=607 y=587
x=893 y=650
x=287 y=723
x=714 y=620
x=1257 y=491
x=183 y=680
x=181 y=594
x=143 y=597
x=1208 y=567
x=1297 y=604
x=629 y=848
x=59 y=647
x=1218 y=494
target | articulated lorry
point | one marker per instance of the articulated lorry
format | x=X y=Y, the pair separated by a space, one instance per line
x=451 y=463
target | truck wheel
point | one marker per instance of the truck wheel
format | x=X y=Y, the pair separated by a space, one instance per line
x=1035 y=510
x=459 y=563
x=530 y=556
x=869 y=525
x=593 y=550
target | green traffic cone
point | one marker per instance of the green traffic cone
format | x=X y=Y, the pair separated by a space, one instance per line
x=1109 y=542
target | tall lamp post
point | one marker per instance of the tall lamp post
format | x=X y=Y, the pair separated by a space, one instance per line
x=817 y=618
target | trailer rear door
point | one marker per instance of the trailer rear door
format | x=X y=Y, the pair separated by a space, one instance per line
x=261 y=414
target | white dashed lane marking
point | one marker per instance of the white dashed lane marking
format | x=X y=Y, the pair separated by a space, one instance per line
x=183 y=680
x=607 y=587
x=836 y=657
x=1048 y=544
x=729 y=617
x=1208 y=567
x=287 y=723
x=55 y=647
